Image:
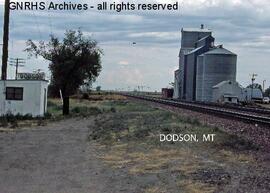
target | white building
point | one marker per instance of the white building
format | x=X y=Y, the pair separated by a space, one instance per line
x=23 y=97
x=228 y=91
x=255 y=94
x=176 y=84
x=232 y=92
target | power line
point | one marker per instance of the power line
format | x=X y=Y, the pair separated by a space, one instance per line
x=17 y=62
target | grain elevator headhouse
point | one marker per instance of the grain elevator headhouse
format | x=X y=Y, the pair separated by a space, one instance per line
x=202 y=65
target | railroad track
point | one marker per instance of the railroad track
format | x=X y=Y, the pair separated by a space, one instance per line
x=204 y=108
x=257 y=110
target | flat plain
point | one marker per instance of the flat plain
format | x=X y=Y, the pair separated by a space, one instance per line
x=111 y=145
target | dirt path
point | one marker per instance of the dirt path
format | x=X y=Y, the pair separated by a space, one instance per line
x=55 y=159
x=59 y=158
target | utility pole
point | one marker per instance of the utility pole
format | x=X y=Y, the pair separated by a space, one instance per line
x=17 y=62
x=5 y=41
x=253 y=77
x=264 y=85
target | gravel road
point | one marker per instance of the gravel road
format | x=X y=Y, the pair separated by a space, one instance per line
x=56 y=159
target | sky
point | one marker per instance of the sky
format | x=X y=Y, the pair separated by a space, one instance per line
x=242 y=26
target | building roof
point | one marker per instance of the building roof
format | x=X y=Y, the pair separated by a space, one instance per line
x=23 y=80
x=185 y=51
x=206 y=37
x=195 y=50
x=229 y=96
x=226 y=82
x=221 y=83
x=195 y=30
x=219 y=50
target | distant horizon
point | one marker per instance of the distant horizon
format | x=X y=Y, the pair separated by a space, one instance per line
x=241 y=26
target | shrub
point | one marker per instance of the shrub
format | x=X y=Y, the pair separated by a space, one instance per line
x=47 y=115
x=10 y=118
x=85 y=96
x=51 y=104
x=85 y=111
x=142 y=133
x=113 y=110
x=53 y=91
x=3 y=121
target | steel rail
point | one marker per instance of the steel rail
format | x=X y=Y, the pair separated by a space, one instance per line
x=241 y=108
x=206 y=109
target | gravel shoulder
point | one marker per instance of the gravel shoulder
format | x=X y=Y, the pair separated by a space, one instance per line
x=56 y=158
x=258 y=134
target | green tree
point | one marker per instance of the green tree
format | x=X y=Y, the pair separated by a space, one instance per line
x=267 y=92
x=255 y=85
x=98 y=88
x=73 y=61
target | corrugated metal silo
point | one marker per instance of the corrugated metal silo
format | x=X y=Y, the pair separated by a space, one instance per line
x=189 y=36
x=199 y=78
x=219 y=64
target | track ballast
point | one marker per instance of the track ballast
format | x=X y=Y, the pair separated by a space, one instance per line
x=243 y=114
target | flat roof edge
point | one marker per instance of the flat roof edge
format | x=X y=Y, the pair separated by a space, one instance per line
x=195 y=30
x=11 y=80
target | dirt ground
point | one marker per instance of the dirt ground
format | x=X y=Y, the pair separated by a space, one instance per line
x=56 y=159
x=118 y=151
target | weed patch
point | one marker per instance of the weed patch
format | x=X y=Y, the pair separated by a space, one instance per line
x=86 y=111
x=129 y=138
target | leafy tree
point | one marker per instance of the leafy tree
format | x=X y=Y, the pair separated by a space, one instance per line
x=267 y=92
x=255 y=85
x=98 y=88
x=53 y=92
x=73 y=61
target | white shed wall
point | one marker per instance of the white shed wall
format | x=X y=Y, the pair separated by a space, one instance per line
x=34 y=98
x=234 y=89
x=228 y=89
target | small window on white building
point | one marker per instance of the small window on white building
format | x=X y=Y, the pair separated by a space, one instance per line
x=14 y=93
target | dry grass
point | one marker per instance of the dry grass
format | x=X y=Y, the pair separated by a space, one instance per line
x=155 y=189
x=230 y=156
x=78 y=107
x=157 y=161
x=154 y=160
x=102 y=97
x=195 y=187
x=134 y=146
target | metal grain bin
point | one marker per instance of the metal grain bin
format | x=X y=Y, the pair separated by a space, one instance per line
x=199 y=78
x=219 y=64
